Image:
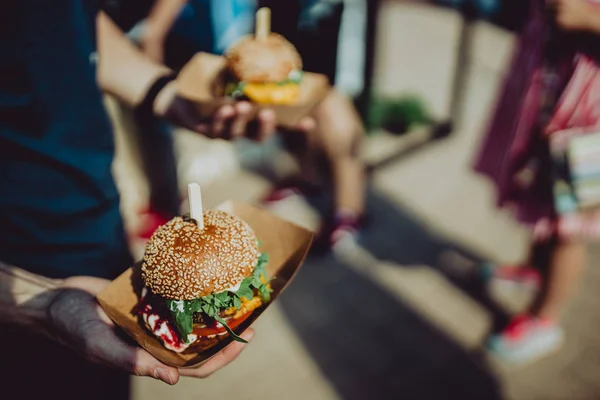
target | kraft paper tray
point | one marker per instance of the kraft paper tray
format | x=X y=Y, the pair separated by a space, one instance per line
x=209 y=97
x=287 y=245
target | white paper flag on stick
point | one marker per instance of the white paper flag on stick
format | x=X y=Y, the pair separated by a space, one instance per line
x=263 y=23
x=195 y=200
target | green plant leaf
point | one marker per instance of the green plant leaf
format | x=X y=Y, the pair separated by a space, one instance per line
x=263 y=260
x=237 y=303
x=245 y=292
x=184 y=324
x=211 y=305
x=265 y=293
x=229 y=330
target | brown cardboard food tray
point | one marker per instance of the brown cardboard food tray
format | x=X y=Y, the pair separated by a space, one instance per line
x=209 y=97
x=287 y=245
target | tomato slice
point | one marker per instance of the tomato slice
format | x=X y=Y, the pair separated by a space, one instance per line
x=214 y=330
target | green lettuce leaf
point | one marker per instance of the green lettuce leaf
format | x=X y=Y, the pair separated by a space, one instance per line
x=235 y=89
x=229 y=330
x=211 y=305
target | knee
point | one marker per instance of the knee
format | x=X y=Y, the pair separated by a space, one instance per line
x=339 y=127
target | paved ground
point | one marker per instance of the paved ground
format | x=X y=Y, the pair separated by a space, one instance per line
x=403 y=315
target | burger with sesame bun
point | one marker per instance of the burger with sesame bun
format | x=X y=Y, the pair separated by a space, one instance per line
x=200 y=284
x=267 y=70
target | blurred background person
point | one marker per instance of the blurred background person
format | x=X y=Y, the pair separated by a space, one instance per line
x=316 y=28
x=175 y=30
x=516 y=156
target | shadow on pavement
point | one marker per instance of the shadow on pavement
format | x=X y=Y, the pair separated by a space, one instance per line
x=370 y=345
x=393 y=234
x=367 y=342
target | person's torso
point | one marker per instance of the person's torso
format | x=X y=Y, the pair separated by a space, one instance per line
x=59 y=212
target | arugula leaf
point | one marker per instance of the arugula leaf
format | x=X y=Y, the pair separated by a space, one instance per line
x=183 y=310
x=246 y=292
x=237 y=303
x=184 y=323
x=235 y=89
x=256 y=282
x=294 y=77
x=183 y=318
x=195 y=306
x=222 y=297
x=229 y=330
x=206 y=308
x=265 y=293
x=263 y=260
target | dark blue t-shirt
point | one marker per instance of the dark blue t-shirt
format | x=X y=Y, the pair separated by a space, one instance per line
x=59 y=207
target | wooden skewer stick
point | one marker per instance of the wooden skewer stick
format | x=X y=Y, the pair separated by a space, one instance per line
x=195 y=200
x=263 y=23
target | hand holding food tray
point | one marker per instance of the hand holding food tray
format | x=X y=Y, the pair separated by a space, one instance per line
x=198 y=289
x=264 y=69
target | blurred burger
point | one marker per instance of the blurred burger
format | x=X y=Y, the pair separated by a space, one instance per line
x=201 y=284
x=264 y=70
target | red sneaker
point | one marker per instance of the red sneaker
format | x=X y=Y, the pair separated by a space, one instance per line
x=520 y=275
x=151 y=221
x=290 y=189
x=280 y=194
x=526 y=339
x=345 y=225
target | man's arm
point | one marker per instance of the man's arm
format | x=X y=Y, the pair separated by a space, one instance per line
x=157 y=27
x=25 y=297
x=67 y=312
x=577 y=15
x=123 y=71
x=163 y=15
x=127 y=74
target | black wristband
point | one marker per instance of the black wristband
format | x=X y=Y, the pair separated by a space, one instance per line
x=146 y=107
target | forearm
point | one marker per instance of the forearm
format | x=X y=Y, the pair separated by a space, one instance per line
x=123 y=71
x=593 y=19
x=25 y=297
x=163 y=15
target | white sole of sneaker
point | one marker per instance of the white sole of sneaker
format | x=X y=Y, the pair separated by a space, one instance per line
x=543 y=348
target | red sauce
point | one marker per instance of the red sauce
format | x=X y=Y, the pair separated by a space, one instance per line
x=146 y=311
x=150 y=307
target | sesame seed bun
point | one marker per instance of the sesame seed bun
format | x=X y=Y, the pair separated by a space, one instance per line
x=182 y=262
x=260 y=61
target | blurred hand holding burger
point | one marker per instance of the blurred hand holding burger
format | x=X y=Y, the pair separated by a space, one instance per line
x=265 y=68
x=200 y=284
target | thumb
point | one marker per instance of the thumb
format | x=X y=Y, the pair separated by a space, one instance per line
x=146 y=365
x=306 y=124
x=137 y=361
x=108 y=348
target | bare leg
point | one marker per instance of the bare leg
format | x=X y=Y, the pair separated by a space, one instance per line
x=537 y=333
x=339 y=133
x=566 y=263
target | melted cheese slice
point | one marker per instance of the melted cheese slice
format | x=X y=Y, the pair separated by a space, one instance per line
x=272 y=93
